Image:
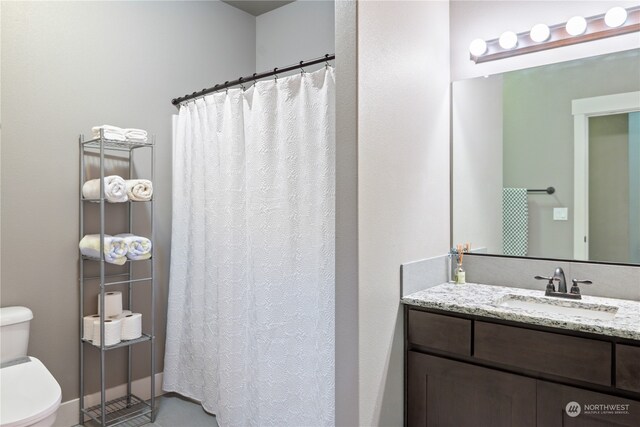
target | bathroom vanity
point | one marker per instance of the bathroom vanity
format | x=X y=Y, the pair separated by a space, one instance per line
x=480 y=355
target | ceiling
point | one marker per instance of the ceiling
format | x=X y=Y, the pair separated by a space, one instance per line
x=257 y=7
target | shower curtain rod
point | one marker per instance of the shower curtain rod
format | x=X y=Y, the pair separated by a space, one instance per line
x=255 y=76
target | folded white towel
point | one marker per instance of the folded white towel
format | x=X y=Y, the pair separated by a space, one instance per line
x=115 y=248
x=139 y=190
x=109 y=132
x=138 y=135
x=138 y=248
x=115 y=189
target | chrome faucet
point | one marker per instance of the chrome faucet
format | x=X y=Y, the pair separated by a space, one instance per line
x=559 y=276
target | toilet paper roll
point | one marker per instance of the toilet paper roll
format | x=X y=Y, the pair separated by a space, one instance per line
x=112 y=332
x=112 y=303
x=132 y=326
x=121 y=315
x=87 y=322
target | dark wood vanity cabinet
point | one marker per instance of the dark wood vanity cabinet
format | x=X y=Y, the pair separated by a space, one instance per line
x=465 y=371
x=447 y=393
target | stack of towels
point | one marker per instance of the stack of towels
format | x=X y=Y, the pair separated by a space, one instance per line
x=117 y=249
x=118 y=190
x=120 y=134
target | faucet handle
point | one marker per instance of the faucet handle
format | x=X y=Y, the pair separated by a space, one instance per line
x=550 y=286
x=575 y=289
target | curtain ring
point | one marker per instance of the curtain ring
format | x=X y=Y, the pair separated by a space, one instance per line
x=241 y=85
x=276 y=76
x=302 y=69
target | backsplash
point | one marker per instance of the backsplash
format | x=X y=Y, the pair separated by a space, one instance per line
x=426 y=273
x=611 y=281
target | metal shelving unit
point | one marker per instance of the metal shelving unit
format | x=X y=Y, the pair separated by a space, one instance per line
x=130 y=408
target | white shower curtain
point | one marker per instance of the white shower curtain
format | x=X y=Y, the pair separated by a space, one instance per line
x=250 y=324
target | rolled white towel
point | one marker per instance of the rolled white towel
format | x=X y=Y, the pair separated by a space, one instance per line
x=115 y=248
x=138 y=248
x=139 y=190
x=139 y=135
x=109 y=132
x=115 y=189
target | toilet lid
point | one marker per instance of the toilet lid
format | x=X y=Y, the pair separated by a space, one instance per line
x=29 y=393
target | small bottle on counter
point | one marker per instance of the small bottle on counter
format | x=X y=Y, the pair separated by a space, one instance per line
x=459 y=275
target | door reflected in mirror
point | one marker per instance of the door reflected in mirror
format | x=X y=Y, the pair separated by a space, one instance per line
x=614 y=188
x=573 y=126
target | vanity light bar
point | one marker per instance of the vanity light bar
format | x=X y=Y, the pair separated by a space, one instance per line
x=559 y=35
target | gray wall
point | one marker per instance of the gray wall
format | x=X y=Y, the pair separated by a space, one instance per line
x=538 y=136
x=295 y=32
x=347 y=395
x=67 y=66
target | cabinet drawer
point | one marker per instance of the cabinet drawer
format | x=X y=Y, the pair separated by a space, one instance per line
x=445 y=333
x=570 y=357
x=628 y=367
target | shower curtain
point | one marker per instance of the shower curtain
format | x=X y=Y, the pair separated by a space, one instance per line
x=250 y=324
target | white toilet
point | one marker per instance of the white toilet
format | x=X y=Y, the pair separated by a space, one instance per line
x=29 y=395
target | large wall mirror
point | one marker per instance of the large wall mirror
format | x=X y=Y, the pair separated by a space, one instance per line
x=572 y=126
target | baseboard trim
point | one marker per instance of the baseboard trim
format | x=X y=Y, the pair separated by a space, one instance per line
x=68 y=413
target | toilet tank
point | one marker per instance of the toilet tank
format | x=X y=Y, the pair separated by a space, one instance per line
x=14 y=332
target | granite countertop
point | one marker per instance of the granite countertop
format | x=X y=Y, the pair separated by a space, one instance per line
x=488 y=301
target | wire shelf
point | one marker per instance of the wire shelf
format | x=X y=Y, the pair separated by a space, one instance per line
x=111 y=144
x=88 y=258
x=124 y=343
x=111 y=276
x=121 y=282
x=129 y=411
x=116 y=203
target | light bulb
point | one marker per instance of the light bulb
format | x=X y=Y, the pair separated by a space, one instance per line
x=508 y=40
x=615 y=17
x=478 y=47
x=576 y=26
x=539 y=33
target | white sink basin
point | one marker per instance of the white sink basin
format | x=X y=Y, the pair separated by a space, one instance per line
x=558 y=307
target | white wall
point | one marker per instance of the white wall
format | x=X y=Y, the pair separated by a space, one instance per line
x=295 y=32
x=403 y=179
x=476 y=127
x=488 y=19
x=67 y=66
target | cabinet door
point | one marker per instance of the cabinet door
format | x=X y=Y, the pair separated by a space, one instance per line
x=564 y=406
x=445 y=393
